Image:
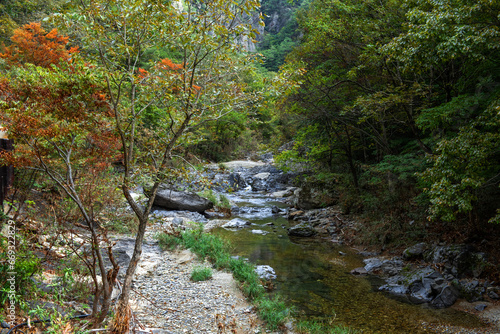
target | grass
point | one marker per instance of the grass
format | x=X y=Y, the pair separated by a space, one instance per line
x=201 y=274
x=318 y=327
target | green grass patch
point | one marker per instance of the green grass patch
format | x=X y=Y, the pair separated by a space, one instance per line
x=319 y=327
x=201 y=274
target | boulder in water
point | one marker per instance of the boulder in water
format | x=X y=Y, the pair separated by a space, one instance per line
x=236 y=223
x=302 y=230
x=265 y=272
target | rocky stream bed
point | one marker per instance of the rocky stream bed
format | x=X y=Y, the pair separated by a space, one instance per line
x=426 y=289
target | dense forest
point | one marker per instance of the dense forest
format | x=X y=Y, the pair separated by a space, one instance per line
x=391 y=108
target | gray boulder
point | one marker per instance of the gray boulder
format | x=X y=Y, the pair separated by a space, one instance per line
x=265 y=272
x=302 y=230
x=236 y=223
x=180 y=200
x=307 y=198
x=415 y=251
x=446 y=298
x=459 y=260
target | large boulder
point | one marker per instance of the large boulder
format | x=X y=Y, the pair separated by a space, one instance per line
x=459 y=260
x=302 y=230
x=307 y=198
x=181 y=200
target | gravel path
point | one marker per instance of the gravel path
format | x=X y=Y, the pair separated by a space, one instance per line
x=166 y=301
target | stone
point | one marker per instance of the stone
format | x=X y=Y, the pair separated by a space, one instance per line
x=236 y=223
x=307 y=198
x=372 y=264
x=359 y=271
x=459 y=260
x=480 y=307
x=493 y=295
x=5 y=325
x=420 y=291
x=275 y=209
x=259 y=232
x=295 y=214
x=177 y=221
x=302 y=230
x=262 y=176
x=265 y=272
x=237 y=181
x=415 y=251
x=180 y=200
x=446 y=298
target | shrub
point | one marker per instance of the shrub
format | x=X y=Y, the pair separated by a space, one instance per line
x=201 y=274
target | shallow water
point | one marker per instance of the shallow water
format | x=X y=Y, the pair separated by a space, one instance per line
x=314 y=277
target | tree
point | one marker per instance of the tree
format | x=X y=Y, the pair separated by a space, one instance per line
x=452 y=47
x=32 y=44
x=60 y=121
x=202 y=34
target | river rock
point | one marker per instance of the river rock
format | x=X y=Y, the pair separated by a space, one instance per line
x=236 y=223
x=415 y=251
x=446 y=298
x=372 y=264
x=302 y=230
x=180 y=200
x=237 y=181
x=359 y=271
x=261 y=232
x=420 y=291
x=284 y=193
x=265 y=272
x=471 y=290
x=459 y=260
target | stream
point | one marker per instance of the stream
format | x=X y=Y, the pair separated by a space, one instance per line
x=314 y=277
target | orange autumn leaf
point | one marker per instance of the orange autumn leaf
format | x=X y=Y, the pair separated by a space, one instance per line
x=32 y=44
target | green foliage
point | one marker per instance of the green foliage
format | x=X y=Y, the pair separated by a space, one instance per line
x=273 y=311
x=26 y=265
x=201 y=274
x=316 y=327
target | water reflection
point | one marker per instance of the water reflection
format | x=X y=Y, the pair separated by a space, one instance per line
x=315 y=278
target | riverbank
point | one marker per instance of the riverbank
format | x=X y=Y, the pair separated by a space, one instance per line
x=166 y=300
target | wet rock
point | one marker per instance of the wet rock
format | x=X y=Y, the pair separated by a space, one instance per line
x=415 y=251
x=446 y=298
x=302 y=230
x=265 y=272
x=237 y=181
x=275 y=209
x=259 y=232
x=236 y=223
x=179 y=200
